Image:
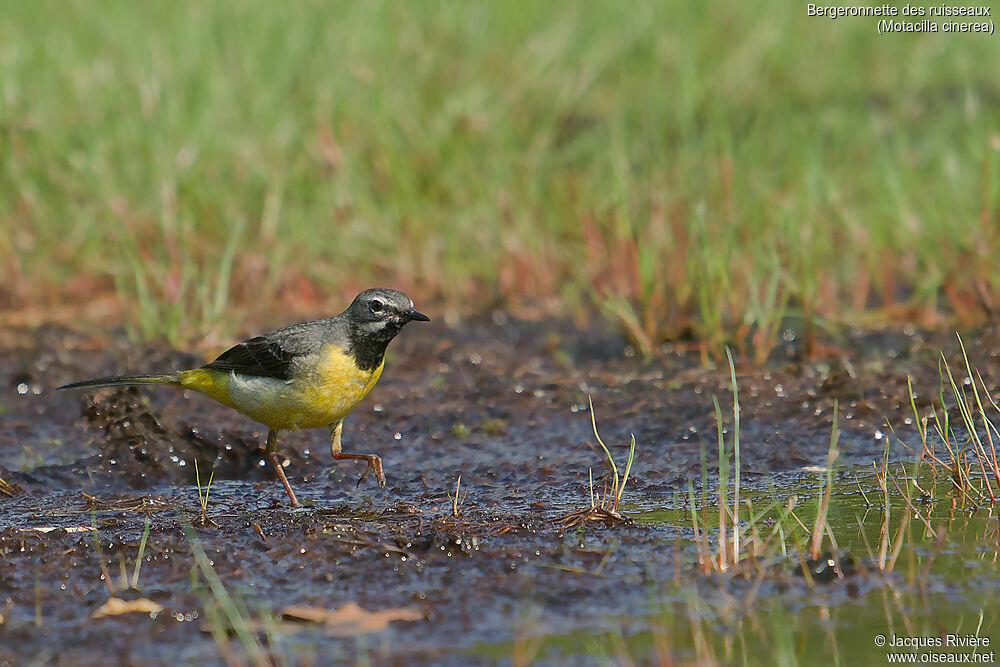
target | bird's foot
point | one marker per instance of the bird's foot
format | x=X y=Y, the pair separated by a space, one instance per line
x=374 y=465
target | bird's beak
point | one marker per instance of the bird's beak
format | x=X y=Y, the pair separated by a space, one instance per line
x=419 y=317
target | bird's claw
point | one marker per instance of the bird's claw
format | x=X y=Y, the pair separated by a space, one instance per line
x=374 y=465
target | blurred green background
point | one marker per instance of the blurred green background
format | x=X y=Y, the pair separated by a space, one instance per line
x=701 y=170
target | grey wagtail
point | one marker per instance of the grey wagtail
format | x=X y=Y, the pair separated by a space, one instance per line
x=302 y=376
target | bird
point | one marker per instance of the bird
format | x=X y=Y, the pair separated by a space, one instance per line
x=306 y=375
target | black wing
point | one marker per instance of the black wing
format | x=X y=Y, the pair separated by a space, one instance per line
x=260 y=357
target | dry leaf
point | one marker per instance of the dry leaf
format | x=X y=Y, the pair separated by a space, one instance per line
x=117 y=606
x=350 y=619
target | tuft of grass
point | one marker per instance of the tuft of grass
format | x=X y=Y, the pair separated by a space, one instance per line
x=233 y=614
x=458 y=498
x=8 y=488
x=969 y=413
x=617 y=490
x=823 y=507
x=125 y=581
x=142 y=551
x=728 y=555
x=969 y=459
x=747 y=537
x=603 y=506
x=105 y=573
x=203 y=495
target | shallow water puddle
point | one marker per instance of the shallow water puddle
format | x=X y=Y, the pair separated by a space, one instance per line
x=929 y=589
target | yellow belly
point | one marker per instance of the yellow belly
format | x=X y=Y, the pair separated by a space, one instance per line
x=323 y=389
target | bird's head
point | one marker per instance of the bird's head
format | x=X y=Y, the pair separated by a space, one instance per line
x=380 y=313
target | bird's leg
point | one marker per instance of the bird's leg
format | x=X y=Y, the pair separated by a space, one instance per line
x=374 y=462
x=272 y=456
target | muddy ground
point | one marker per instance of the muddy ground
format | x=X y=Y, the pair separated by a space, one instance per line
x=501 y=403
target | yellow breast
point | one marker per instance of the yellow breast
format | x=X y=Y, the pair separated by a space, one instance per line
x=335 y=384
x=324 y=387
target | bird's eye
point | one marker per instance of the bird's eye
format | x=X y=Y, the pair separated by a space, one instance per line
x=376 y=306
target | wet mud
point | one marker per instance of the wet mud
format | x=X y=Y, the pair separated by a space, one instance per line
x=503 y=404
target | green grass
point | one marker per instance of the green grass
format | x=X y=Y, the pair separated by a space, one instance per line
x=892 y=552
x=224 y=612
x=613 y=496
x=689 y=169
x=203 y=495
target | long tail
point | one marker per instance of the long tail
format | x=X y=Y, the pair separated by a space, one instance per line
x=124 y=381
